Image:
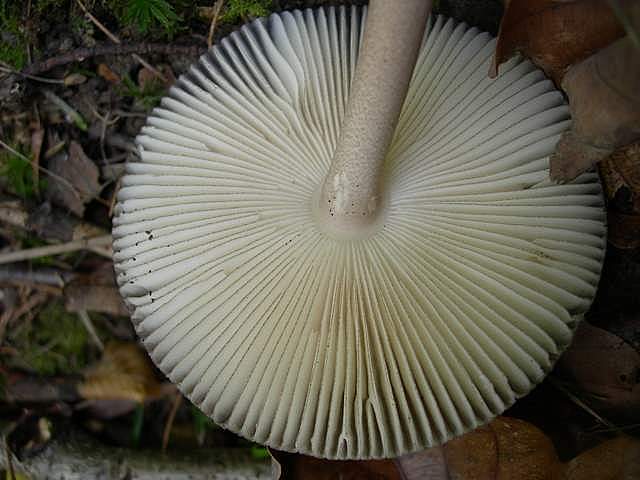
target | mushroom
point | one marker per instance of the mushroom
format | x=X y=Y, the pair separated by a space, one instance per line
x=335 y=308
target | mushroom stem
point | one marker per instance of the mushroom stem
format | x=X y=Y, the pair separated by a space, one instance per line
x=351 y=197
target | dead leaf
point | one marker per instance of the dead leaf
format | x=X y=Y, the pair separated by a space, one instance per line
x=124 y=372
x=615 y=459
x=74 y=79
x=429 y=463
x=605 y=367
x=605 y=107
x=95 y=292
x=626 y=162
x=109 y=75
x=556 y=33
x=611 y=179
x=620 y=174
x=81 y=175
x=291 y=466
x=148 y=78
x=506 y=448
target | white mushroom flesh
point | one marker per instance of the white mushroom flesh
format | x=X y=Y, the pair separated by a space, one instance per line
x=387 y=340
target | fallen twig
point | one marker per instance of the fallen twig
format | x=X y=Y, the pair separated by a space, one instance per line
x=55 y=81
x=84 y=53
x=214 y=20
x=86 y=321
x=575 y=399
x=43 y=276
x=93 y=244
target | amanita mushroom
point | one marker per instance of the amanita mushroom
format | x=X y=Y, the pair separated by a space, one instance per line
x=340 y=309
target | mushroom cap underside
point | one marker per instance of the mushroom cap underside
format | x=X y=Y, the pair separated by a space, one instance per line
x=394 y=340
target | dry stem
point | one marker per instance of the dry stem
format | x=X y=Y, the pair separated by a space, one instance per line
x=94 y=244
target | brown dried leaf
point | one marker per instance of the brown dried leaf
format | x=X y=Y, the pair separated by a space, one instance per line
x=605 y=107
x=620 y=174
x=109 y=75
x=290 y=466
x=95 y=292
x=506 y=448
x=611 y=179
x=124 y=372
x=81 y=176
x=555 y=33
x=604 y=366
x=148 y=78
x=74 y=79
x=627 y=163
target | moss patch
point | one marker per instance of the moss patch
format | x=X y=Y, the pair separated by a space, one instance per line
x=54 y=343
x=13 y=45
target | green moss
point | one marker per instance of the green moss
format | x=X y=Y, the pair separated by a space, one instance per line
x=19 y=173
x=236 y=10
x=13 y=45
x=54 y=343
x=149 y=95
x=45 y=6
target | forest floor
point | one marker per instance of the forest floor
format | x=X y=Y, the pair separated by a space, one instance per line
x=77 y=79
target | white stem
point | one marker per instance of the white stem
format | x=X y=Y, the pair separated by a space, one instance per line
x=351 y=195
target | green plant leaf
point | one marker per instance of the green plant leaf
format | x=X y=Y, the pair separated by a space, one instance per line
x=142 y=14
x=19 y=173
x=236 y=10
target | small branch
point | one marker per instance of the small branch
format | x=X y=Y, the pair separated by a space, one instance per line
x=214 y=21
x=97 y=23
x=68 y=247
x=88 y=324
x=151 y=68
x=84 y=53
x=31 y=77
x=42 y=276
